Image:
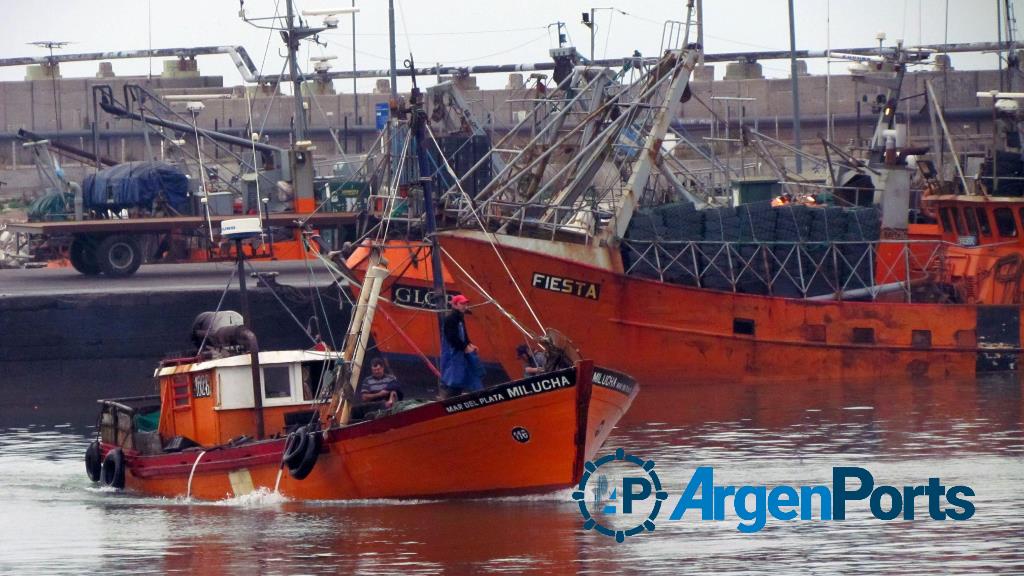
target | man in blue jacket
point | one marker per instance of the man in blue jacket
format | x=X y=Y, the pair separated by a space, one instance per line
x=461 y=370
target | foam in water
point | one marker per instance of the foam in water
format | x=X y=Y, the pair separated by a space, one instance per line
x=258 y=498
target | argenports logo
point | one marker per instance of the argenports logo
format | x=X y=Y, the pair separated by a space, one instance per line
x=648 y=484
x=627 y=498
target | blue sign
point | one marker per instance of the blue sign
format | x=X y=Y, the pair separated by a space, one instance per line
x=383 y=112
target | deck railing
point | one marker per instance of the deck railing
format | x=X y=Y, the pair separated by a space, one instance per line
x=815 y=270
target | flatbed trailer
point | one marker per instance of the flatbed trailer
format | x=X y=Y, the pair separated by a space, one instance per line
x=117 y=247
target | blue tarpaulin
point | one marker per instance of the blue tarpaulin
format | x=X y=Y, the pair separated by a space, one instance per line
x=136 y=184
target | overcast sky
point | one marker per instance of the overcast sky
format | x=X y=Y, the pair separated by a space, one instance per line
x=467 y=32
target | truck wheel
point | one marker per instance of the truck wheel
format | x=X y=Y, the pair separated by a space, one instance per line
x=119 y=256
x=83 y=256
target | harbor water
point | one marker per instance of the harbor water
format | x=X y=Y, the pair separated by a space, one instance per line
x=904 y=432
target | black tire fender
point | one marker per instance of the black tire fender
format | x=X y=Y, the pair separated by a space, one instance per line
x=295 y=448
x=93 y=461
x=309 y=457
x=112 y=472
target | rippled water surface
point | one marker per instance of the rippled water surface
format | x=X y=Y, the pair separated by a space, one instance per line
x=965 y=432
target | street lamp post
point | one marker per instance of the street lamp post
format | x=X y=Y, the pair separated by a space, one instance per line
x=355 y=90
x=589 y=22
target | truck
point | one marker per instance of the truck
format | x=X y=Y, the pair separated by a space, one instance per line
x=127 y=214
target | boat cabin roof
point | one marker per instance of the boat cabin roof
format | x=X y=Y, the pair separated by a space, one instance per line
x=971 y=220
x=266 y=358
x=946 y=199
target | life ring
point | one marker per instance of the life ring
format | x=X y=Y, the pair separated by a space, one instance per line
x=93 y=461
x=112 y=472
x=313 y=443
x=295 y=448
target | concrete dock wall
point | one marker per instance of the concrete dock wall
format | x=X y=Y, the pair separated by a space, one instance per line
x=146 y=326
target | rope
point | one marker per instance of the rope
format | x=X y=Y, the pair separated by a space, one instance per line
x=327 y=197
x=488 y=235
x=283 y=305
x=334 y=136
x=188 y=491
x=399 y=330
x=319 y=298
x=202 y=176
x=273 y=96
x=393 y=190
x=252 y=134
x=255 y=161
x=490 y=299
x=750 y=222
x=219 y=304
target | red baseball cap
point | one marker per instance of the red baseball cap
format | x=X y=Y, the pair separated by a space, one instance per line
x=459 y=299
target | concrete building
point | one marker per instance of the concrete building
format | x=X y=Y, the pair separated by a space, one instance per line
x=851 y=108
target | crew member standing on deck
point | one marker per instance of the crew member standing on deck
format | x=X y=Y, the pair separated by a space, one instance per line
x=461 y=370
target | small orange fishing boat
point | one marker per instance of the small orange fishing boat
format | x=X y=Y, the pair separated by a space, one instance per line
x=231 y=419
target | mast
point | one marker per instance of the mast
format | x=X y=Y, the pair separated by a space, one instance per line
x=238 y=230
x=418 y=131
x=358 y=337
x=794 y=82
x=391 y=37
x=292 y=40
x=254 y=361
x=1011 y=51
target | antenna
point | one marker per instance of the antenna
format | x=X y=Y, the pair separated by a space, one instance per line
x=330 y=15
x=292 y=33
x=50 y=45
x=562 y=38
x=321 y=64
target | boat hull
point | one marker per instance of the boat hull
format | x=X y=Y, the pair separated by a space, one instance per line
x=521 y=437
x=660 y=332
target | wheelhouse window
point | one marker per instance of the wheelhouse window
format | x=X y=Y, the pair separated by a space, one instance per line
x=314 y=375
x=277 y=382
x=947 y=224
x=1005 y=222
x=955 y=213
x=972 y=221
x=983 y=224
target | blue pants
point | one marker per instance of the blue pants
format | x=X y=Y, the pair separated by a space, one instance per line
x=460 y=370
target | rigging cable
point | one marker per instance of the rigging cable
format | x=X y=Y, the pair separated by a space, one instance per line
x=219 y=304
x=488 y=235
x=255 y=162
x=491 y=299
x=202 y=176
x=260 y=278
x=389 y=206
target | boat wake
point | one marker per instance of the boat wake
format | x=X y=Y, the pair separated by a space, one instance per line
x=259 y=498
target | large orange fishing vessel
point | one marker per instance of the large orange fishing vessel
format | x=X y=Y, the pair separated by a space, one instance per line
x=587 y=231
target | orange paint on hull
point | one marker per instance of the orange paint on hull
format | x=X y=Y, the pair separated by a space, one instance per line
x=657 y=331
x=641 y=326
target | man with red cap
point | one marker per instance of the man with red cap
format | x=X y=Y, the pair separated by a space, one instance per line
x=461 y=369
